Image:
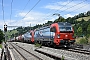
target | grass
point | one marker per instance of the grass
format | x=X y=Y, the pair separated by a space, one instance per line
x=37 y=45
x=85 y=18
x=0 y=45
x=62 y=57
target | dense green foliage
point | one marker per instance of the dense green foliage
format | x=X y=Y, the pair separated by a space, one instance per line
x=1 y=36
x=83 y=41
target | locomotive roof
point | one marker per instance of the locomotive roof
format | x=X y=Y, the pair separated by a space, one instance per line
x=60 y=24
x=64 y=24
x=42 y=27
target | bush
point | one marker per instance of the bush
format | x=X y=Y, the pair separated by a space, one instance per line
x=1 y=41
x=83 y=41
x=89 y=40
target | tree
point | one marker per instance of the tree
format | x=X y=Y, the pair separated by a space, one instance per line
x=60 y=19
x=81 y=15
x=1 y=36
x=88 y=29
x=88 y=13
x=49 y=22
x=79 y=31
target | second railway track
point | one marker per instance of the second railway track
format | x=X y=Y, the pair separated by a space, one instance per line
x=69 y=54
x=78 y=50
x=24 y=53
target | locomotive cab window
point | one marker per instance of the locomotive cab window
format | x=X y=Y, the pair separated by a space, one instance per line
x=52 y=29
x=65 y=29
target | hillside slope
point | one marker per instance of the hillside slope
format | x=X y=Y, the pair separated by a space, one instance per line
x=85 y=18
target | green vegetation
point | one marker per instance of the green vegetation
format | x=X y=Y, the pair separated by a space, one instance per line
x=88 y=40
x=83 y=41
x=1 y=36
x=0 y=45
x=85 y=18
x=11 y=33
x=37 y=45
x=62 y=58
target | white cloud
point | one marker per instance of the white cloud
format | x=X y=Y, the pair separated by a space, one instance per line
x=68 y=15
x=32 y=18
x=1 y=24
x=35 y=18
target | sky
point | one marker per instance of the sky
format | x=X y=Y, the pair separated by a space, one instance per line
x=31 y=12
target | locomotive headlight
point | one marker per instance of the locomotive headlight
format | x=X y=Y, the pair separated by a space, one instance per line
x=58 y=36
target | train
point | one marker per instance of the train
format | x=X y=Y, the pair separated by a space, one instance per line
x=55 y=34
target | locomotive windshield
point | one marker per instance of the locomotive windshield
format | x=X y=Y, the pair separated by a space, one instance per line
x=65 y=27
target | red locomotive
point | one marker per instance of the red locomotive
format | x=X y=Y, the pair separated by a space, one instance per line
x=57 y=34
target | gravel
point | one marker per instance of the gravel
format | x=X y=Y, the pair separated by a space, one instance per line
x=76 y=56
x=31 y=49
x=15 y=54
x=66 y=54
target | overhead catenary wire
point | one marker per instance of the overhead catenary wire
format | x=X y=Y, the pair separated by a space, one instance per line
x=76 y=9
x=26 y=5
x=69 y=7
x=11 y=10
x=31 y=9
x=59 y=8
x=73 y=6
x=3 y=12
x=65 y=5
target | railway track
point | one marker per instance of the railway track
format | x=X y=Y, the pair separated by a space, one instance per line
x=69 y=54
x=26 y=55
x=49 y=54
x=79 y=50
x=57 y=54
